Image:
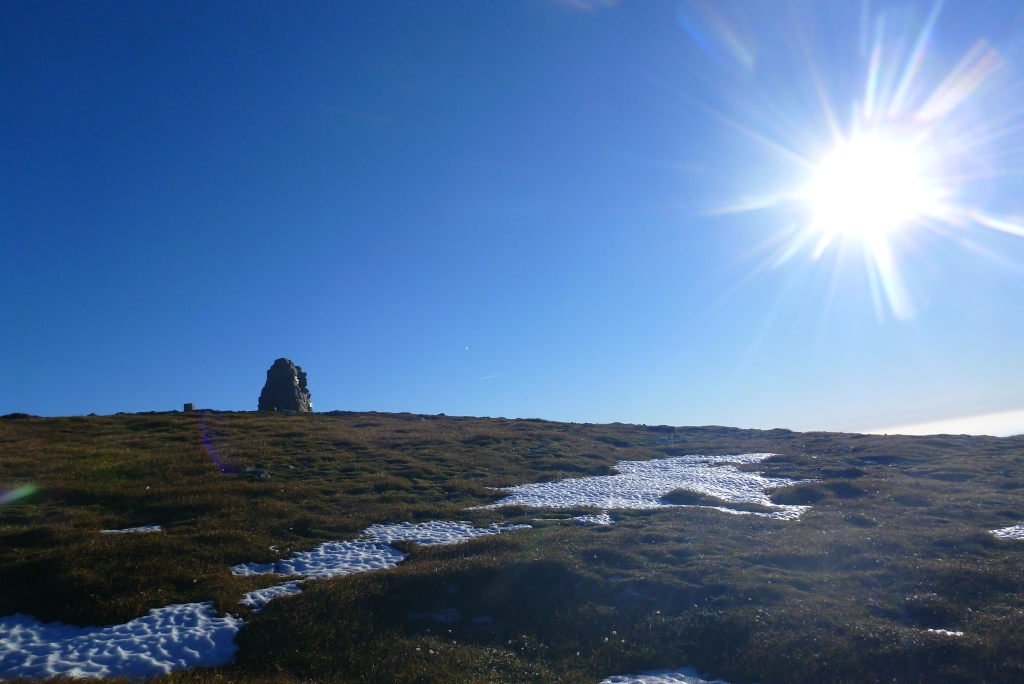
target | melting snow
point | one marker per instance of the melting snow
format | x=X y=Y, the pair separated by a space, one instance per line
x=685 y=675
x=340 y=558
x=434 y=532
x=190 y=635
x=250 y=569
x=145 y=528
x=370 y=552
x=599 y=519
x=641 y=484
x=172 y=638
x=786 y=512
x=1015 y=532
x=261 y=597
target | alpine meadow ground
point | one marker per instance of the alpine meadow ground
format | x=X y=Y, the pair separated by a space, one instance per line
x=873 y=584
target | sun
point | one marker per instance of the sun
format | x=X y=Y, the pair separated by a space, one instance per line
x=868 y=186
x=912 y=162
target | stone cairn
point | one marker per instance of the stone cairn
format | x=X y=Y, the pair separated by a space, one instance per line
x=285 y=389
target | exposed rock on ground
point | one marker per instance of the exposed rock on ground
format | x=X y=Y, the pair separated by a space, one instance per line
x=285 y=389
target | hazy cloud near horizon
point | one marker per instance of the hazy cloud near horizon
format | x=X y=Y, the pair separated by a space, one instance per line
x=1003 y=424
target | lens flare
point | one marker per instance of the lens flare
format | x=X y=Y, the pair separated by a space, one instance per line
x=205 y=442
x=914 y=159
x=15 y=495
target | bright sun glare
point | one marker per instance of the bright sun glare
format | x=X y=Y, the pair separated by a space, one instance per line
x=908 y=160
x=869 y=186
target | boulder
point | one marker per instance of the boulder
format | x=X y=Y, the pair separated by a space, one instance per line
x=285 y=389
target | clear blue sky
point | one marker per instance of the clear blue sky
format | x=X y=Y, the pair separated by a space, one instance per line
x=496 y=208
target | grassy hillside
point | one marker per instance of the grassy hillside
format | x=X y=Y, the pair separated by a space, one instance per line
x=896 y=544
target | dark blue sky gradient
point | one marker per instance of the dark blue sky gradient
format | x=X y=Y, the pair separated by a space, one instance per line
x=487 y=208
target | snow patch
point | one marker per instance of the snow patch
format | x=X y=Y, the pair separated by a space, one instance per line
x=786 y=512
x=145 y=528
x=172 y=638
x=1015 y=532
x=641 y=484
x=261 y=597
x=686 y=675
x=372 y=551
x=434 y=532
x=599 y=519
x=190 y=635
x=252 y=569
x=333 y=559
x=946 y=632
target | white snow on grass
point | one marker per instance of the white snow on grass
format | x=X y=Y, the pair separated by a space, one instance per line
x=333 y=559
x=599 y=519
x=588 y=519
x=685 y=675
x=785 y=512
x=946 y=632
x=372 y=551
x=1015 y=532
x=190 y=635
x=171 y=638
x=261 y=597
x=251 y=569
x=641 y=484
x=434 y=532
x=145 y=528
